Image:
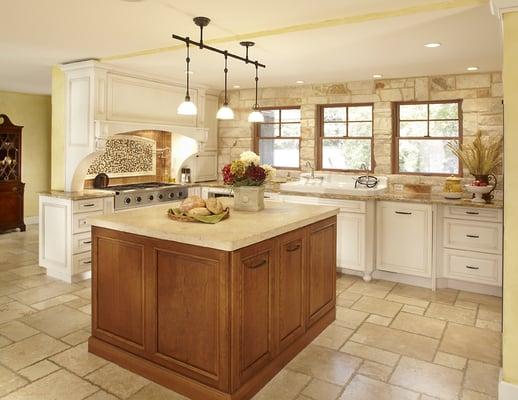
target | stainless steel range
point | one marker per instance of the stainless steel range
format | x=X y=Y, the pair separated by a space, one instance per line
x=146 y=194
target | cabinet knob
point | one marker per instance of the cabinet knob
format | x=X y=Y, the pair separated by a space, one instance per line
x=15 y=189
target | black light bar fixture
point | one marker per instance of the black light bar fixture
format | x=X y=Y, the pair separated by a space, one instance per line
x=186 y=108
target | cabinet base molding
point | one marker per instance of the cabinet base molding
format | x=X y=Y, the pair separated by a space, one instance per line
x=196 y=390
x=443 y=283
x=403 y=278
x=506 y=390
x=64 y=276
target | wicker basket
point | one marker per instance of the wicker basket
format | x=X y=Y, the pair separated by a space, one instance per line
x=185 y=218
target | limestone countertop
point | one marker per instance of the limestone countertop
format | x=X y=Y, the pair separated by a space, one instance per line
x=241 y=229
x=83 y=195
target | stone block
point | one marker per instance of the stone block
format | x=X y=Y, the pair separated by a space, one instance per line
x=390 y=95
x=422 y=89
x=361 y=87
x=497 y=90
x=473 y=81
x=442 y=83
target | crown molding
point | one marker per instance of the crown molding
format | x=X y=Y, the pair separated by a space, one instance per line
x=501 y=7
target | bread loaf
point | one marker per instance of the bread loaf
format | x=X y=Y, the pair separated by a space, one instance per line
x=214 y=205
x=198 y=212
x=192 y=202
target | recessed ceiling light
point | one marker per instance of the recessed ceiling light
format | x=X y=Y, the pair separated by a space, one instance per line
x=432 y=45
x=299 y=82
x=377 y=76
x=472 y=68
x=236 y=86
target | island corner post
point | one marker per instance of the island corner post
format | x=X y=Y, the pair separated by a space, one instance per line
x=208 y=323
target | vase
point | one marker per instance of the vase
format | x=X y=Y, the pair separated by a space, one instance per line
x=489 y=180
x=249 y=198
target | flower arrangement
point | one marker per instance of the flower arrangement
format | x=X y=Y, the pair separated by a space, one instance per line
x=247 y=171
x=481 y=157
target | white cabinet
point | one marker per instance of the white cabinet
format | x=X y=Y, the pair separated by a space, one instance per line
x=205 y=167
x=210 y=122
x=472 y=245
x=355 y=232
x=205 y=164
x=404 y=238
x=65 y=235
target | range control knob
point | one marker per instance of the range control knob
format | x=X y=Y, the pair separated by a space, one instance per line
x=151 y=198
x=160 y=196
x=180 y=194
x=171 y=195
x=139 y=199
x=127 y=200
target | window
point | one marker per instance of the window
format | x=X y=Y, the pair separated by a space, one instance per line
x=345 y=140
x=277 y=139
x=422 y=133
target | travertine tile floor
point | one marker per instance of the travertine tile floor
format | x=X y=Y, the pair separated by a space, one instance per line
x=389 y=342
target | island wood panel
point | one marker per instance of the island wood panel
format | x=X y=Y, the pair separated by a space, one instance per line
x=119 y=275
x=253 y=276
x=321 y=269
x=192 y=312
x=257 y=307
x=291 y=277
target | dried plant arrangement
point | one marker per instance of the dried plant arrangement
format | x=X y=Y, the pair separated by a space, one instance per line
x=482 y=156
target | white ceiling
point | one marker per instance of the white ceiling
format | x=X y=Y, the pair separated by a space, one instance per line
x=35 y=34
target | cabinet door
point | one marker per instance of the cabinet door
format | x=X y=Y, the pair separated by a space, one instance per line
x=253 y=273
x=206 y=167
x=350 y=243
x=290 y=287
x=321 y=273
x=404 y=238
x=211 y=109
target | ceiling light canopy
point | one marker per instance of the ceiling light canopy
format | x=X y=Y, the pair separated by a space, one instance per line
x=299 y=82
x=432 y=45
x=225 y=112
x=472 y=68
x=377 y=76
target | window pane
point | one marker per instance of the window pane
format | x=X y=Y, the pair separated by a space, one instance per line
x=413 y=111
x=444 y=111
x=360 y=129
x=427 y=156
x=444 y=128
x=335 y=114
x=280 y=152
x=270 y=115
x=268 y=130
x=334 y=129
x=363 y=113
x=290 y=115
x=346 y=153
x=413 y=129
x=290 y=130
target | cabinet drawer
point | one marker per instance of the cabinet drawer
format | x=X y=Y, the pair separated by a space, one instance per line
x=80 y=221
x=473 y=267
x=473 y=235
x=81 y=242
x=88 y=205
x=81 y=262
x=473 y=213
x=352 y=206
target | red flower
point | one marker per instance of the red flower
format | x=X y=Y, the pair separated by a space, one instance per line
x=256 y=173
x=228 y=178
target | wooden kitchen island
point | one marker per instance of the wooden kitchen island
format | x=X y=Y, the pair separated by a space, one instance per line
x=212 y=311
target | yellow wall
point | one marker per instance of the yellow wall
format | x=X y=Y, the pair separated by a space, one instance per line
x=58 y=129
x=33 y=112
x=510 y=79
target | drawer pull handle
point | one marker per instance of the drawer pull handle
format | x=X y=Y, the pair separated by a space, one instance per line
x=258 y=264
x=293 y=248
x=403 y=213
x=87 y=242
x=87 y=262
x=472 y=213
x=87 y=205
x=470 y=267
x=473 y=236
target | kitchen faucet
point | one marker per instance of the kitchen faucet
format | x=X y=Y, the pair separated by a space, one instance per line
x=308 y=164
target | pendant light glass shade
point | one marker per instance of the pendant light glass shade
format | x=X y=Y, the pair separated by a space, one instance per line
x=256 y=116
x=225 y=112
x=187 y=107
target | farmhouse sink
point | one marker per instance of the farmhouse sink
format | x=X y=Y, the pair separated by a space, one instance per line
x=334 y=184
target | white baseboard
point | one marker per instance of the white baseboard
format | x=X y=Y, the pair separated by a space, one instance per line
x=506 y=390
x=32 y=220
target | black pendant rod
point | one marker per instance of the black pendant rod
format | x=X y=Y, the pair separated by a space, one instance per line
x=202 y=45
x=226 y=72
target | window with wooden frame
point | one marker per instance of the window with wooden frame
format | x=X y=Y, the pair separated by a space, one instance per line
x=345 y=139
x=277 y=139
x=422 y=131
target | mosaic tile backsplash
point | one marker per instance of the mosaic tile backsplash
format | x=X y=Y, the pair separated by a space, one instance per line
x=126 y=156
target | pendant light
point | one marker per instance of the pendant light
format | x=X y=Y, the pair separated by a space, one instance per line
x=187 y=107
x=225 y=112
x=256 y=115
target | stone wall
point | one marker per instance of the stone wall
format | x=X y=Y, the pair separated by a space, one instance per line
x=482 y=110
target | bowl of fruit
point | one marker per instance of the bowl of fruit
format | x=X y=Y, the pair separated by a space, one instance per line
x=479 y=188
